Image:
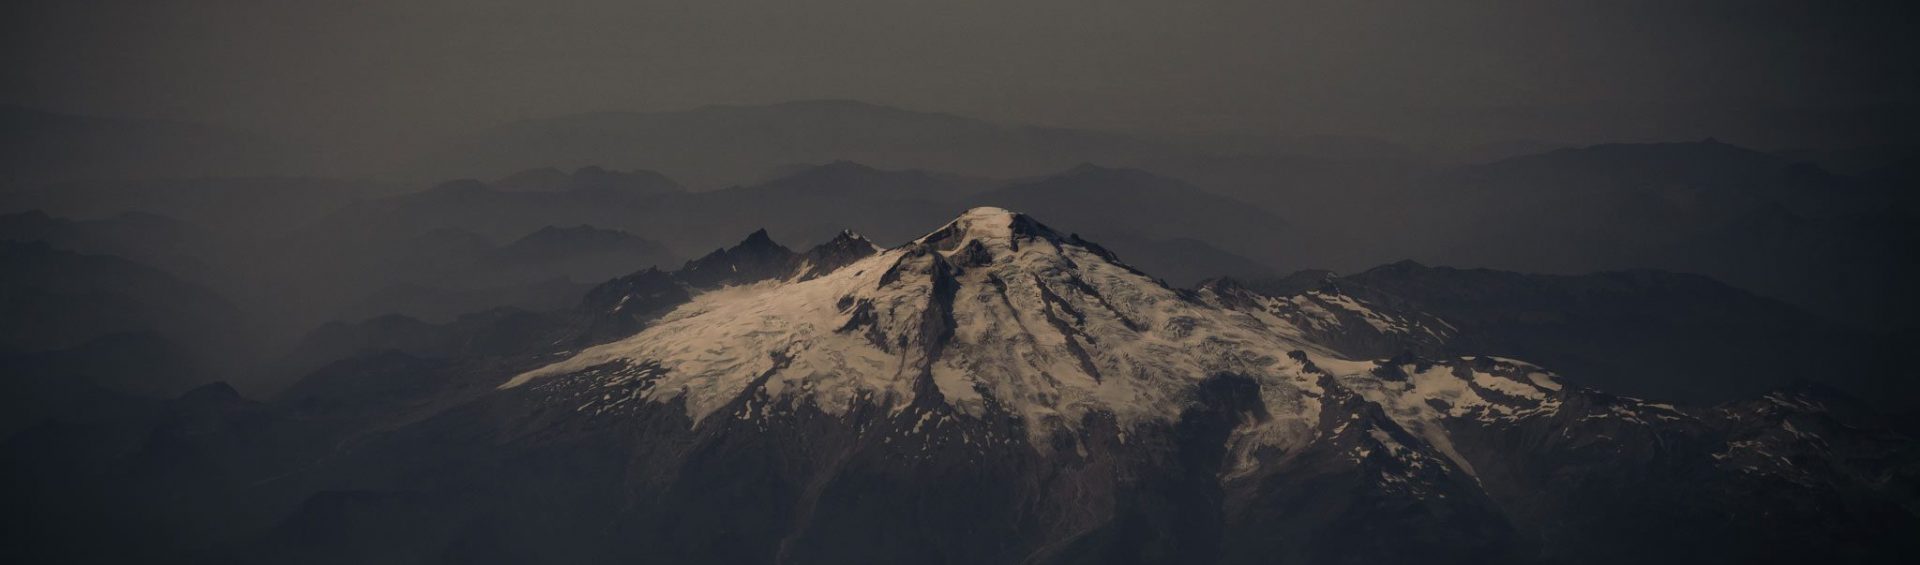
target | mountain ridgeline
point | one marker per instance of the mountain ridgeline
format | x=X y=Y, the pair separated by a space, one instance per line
x=1829 y=233
x=992 y=391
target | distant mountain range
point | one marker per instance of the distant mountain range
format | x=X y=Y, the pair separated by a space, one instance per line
x=1783 y=226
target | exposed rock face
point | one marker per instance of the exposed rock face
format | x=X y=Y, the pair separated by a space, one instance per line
x=828 y=257
x=757 y=258
x=622 y=306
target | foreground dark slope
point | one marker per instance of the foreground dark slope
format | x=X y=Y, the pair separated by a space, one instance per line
x=1100 y=418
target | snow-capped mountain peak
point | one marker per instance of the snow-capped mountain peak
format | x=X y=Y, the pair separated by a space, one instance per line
x=995 y=317
x=988 y=225
x=992 y=313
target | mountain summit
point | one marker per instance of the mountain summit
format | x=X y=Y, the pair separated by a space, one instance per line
x=992 y=315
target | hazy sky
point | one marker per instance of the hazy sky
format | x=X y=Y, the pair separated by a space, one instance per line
x=1774 y=72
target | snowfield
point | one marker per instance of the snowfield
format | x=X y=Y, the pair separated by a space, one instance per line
x=1000 y=314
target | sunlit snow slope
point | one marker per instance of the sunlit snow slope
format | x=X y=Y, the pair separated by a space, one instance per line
x=999 y=313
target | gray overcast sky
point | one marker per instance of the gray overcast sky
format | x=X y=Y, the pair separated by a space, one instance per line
x=394 y=69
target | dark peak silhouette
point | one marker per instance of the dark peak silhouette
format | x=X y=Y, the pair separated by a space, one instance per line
x=626 y=303
x=755 y=258
x=758 y=240
x=838 y=252
x=847 y=238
